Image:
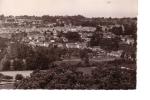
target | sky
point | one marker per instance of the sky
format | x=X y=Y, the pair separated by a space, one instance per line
x=88 y=8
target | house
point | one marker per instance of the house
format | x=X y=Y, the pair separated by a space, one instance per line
x=60 y=45
x=96 y=48
x=87 y=39
x=45 y=44
x=76 y=45
x=72 y=45
x=32 y=43
x=115 y=53
x=90 y=34
x=73 y=30
x=52 y=41
x=127 y=40
x=109 y=35
x=25 y=40
x=83 y=45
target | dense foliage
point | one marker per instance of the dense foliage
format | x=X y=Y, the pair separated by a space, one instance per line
x=73 y=36
x=27 y=58
x=105 y=76
x=19 y=77
x=3 y=42
x=108 y=44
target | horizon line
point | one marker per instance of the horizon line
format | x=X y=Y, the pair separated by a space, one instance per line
x=69 y=15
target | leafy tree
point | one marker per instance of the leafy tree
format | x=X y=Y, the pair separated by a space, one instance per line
x=73 y=36
x=3 y=42
x=18 y=65
x=6 y=65
x=105 y=76
x=23 y=51
x=110 y=44
x=42 y=61
x=117 y=30
x=31 y=63
x=2 y=17
x=130 y=29
x=96 y=38
x=84 y=56
x=99 y=28
x=19 y=77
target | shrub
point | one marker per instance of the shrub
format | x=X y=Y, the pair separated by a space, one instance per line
x=1 y=75
x=105 y=76
x=19 y=77
x=7 y=77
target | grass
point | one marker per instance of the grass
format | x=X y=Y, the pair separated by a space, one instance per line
x=14 y=73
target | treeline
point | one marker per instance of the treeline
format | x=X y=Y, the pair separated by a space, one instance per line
x=80 y=20
x=20 y=56
x=24 y=57
x=77 y=20
x=3 y=43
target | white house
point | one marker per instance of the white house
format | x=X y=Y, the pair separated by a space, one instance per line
x=115 y=53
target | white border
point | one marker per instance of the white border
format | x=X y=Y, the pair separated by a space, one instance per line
x=143 y=83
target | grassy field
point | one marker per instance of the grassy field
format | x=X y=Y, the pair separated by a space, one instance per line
x=14 y=73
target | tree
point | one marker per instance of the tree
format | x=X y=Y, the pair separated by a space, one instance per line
x=99 y=28
x=18 y=65
x=117 y=30
x=3 y=42
x=130 y=29
x=111 y=44
x=129 y=54
x=42 y=61
x=107 y=44
x=46 y=19
x=23 y=50
x=19 y=77
x=73 y=36
x=96 y=38
x=2 y=17
x=6 y=65
x=84 y=56
x=31 y=63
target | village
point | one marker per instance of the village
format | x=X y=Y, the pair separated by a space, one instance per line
x=34 y=33
x=34 y=42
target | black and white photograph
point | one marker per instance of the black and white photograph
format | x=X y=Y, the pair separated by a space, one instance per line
x=68 y=44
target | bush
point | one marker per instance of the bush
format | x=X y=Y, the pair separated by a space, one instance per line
x=7 y=77
x=19 y=77
x=105 y=76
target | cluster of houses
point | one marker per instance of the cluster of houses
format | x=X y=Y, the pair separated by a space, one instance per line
x=49 y=34
x=12 y=21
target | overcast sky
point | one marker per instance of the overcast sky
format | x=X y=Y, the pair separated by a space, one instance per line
x=89 y=8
